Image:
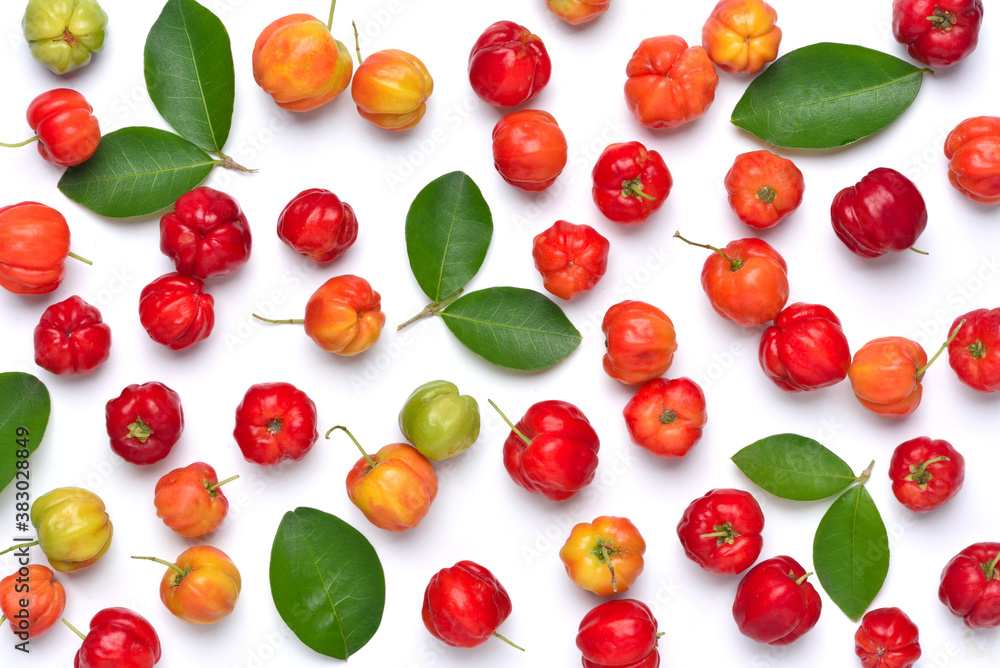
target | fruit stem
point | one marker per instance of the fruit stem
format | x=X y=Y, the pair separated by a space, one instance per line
x=432 y=308
x=802 y=579
x=74 y=629
x=766 y=194
x=917 y=250
x=944 y=345
x=509 y=423
x=211 y=488
x=866 y=474
x=21 y=143
x=19 y=546
x=290 y=321
x=633 y=188
x=357 y=46
x=81 y=259
x=329 y=21
x=180 y=571
x=990 y=568
x=229 y=163
x=371 y=462
x=606 y=558
x=733 y=264
x=508 y=641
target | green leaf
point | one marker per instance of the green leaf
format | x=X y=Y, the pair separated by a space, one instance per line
x=794 y=467
x=448 y=231
x=189 y=73
x=851 y=551
x=512 y=327
x=136 y=171
x=826 y=95
x=24 y=414
x=326 y=582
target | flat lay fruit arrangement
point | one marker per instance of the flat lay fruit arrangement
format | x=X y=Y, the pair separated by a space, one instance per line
x=574 y=332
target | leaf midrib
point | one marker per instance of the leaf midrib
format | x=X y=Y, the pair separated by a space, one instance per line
x=201 y=90
x=326 y=590
x=445 y=314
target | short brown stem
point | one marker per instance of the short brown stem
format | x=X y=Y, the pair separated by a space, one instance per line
x=229 y=163
x=371 y=462
x=509 y=423
x=289 y=321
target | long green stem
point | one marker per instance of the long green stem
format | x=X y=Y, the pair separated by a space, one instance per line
x=180 y=571
x=371 y=462
x=509 y=423
x=81 y=259
x=211 y=488
x=19 y=546
x=289 y=321
x=74 y=629
x=357 y=45
x=329 y=21
x=22 y=143
x=944 y=345
x=734 y=265
x=508 y=641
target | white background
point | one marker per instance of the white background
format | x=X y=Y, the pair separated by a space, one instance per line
x=480 y=514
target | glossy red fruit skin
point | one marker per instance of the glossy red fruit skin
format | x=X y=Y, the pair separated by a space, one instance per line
x=71 y=338
x=560 y=458
x=666 y=417
x=752 y=291
x=508 y=65
x=763 y=188
x=318 y=225
x=639 y=341
x=207 y=234
x=118 y=638
x=571 y=258
x=805 y=349
x=68 y=132
x=972 y=149
x=974 y=353
x=630 y=183
x=620 y=633
x=733 y=512
x=144 y=422
x=176 y=311
x=938 y=33
x=774 y=603
x=274 y=422
x=918 y=481
x=529 y=149
x=464 y=604
x=887 y=638
x=970 y=585
x=883 y=212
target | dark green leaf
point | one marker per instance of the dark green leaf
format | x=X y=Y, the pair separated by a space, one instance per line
x=826 y=95
x=189 y=73
x=136 y=171
x=448 y=231
x=851 y=551
x=326 y=582
x=512 y=327
x=24 y=414
x=794 y=467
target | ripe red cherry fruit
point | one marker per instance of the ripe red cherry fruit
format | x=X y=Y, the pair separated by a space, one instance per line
x=970 y=585
x=887 y=638
x=621 y=633
x=71 y=338
x=317 y=224
x=207 y=234
x=883 y=212
x=465 y=604
x=774 y=602
x=721 y=531
x=805 y=349
x=508 y=65
x=926 y=473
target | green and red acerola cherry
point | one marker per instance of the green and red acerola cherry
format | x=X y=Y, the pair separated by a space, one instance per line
x=639 y=341
x=318 y=225
x=805 y=349
x=721 y=531
x=71 y=338
x=465 y=604
x=746 y=281
x=31 y=600
x=619 y=633
x=438 y=421
x=938 y=33
x=201 y=586
x=926 y=473
x=552 y=450
x=775 y=604
x=343 y=316
x=274 y=422
x=508 y=65
x=190 y=499
x=391 y=88
x=207 y=234
x=65 y=127
x=604 y=556
x=970 y=585
x=887 y=638
x=144 y=422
